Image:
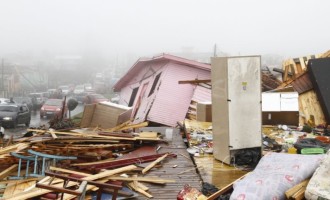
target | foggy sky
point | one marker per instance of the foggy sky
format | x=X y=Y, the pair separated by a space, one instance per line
x=148 y=27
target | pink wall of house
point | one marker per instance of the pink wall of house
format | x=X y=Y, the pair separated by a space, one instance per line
x=146 y=74
x=173 y=99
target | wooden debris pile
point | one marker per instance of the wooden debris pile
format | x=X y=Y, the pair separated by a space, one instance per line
x=99 y=162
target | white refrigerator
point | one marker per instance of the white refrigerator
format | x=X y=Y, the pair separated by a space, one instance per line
x=236 y=105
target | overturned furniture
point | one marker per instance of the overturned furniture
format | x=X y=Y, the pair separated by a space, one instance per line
x=39 y=159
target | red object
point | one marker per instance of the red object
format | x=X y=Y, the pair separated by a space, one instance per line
x=323 y=139
x=94 y=98
x=52 y=107
x=188 y=192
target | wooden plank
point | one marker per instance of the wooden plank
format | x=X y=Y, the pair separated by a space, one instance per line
x=224 y=189
x=14 y=148
x=151 y=165
x=139 y=125
x=148 y=134
x=295 y=189
x=143 y=179
x=54 y=136
x=310 y=106
x=87 y=115
x=19 y=181
x=195 y=81
x=7 y=171
x=107 y=173
x=68 y=171
x=16 y=188
x=136 y=188
x=116 y=128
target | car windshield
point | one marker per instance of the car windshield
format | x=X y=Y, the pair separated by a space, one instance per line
x=8 y=108
x=54 y=102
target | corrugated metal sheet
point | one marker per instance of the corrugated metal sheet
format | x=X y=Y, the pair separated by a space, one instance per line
x=173 y=99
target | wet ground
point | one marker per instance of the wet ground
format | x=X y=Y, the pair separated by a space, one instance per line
x=36 y=122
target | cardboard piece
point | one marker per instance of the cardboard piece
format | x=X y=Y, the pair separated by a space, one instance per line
x=204 y=112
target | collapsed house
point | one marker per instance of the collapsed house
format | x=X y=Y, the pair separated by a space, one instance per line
x=151 y=86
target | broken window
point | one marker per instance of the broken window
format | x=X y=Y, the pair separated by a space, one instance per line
x=133 y=95
x=154 y=84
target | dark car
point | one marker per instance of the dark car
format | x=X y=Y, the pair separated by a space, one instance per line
x=13 y=114
x=24 y=100
x=94 y=98
x=52 y=107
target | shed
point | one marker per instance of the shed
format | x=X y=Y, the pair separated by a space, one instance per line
x=151 y=86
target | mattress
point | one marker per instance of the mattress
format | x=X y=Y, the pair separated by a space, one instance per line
x=274 y=175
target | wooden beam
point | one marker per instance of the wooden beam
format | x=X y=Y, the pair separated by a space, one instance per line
x=7 y=171
x=136 y=188
x=151 y=165
x=292 y=191
x=140 y=125
x=68 y=171
x=143 y=179
x=224 y=189
x=195 y=81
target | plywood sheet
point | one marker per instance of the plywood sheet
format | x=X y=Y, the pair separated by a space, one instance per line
x=87 y=115
x=106 y=115
x=204 y=112
x=310 y=106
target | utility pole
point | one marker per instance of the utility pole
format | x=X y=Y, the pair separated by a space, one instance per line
x=215 y=50
x=2 y=76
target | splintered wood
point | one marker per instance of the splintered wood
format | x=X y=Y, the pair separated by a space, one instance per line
x=103 y=155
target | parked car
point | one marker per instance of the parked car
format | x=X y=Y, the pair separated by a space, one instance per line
x=81 y=97
x=4 y=100
x=64 y=89
x=25 y=101
x=94 y=98
x=13 y=114
x=52 y=107
x=88 y=87
x=79 y=89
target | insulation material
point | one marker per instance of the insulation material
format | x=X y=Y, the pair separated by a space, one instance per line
x=274 y=175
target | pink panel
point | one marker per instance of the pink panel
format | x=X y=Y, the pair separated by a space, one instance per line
x=173 y=99
x=202 y=94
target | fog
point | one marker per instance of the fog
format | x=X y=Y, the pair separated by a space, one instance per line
x=115 y=33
